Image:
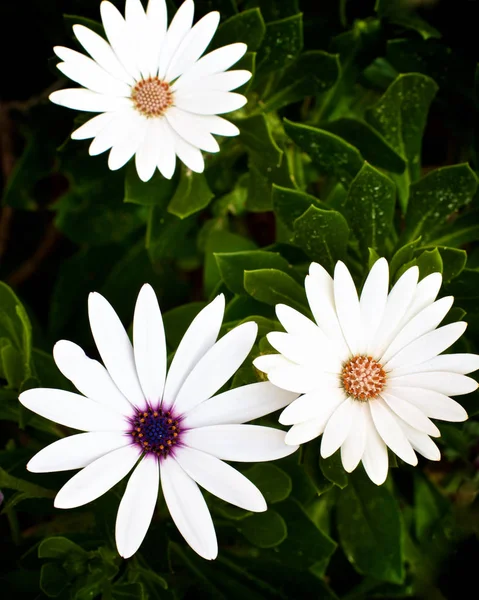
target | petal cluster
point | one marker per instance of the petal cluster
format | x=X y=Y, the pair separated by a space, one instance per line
x=396 y=335
x=133 y=378
x=142 y=53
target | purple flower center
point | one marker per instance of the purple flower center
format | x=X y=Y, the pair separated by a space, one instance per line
x=155 y=431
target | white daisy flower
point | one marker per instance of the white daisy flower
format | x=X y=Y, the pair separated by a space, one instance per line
x=157 y=98
x=368 y=369
x=168 y=427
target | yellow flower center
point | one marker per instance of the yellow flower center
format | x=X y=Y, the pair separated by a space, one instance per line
x=363 y=378
x=152 y=97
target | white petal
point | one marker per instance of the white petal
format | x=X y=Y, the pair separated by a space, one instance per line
x=216 y=367
x=76 y=451
x=102 y=53
x=167 y=155
x=193 y=45
x=89 y=377
x=454 y=363
x=410 y=414
x=115 y=348
x=319 y=404
x=431 y=403
x=87 y=100
x=450 y=384
x=149 y=345
x=421 y=442
x=89 y=74
x=92 y=127
x=111 y=132
x=188 y=509
x=177 y=31
x=241 y=443
x=190 y=128
x=294 y=322
x=239 y=405
x=347 y=307
x=156 y=15
x=300 y=379
x=398 y=301
x=220 y=479
x=390 y=431
x=320 y=293
x=428 y=346
x=209 y=103
x=150 y=150
x=314 y=349
x=117 y=34
x=188 y=154
x=198 y=339
x=72 y=410
x=426 y=320
x=304 y=432
x=97 y=478
x=352 y=449
x=218 y=125
x=269 y=362
x=137 y=31
x=219 y=82
x=133 y=134
x=373 y=301
x=337 y=428
x=426 y=292
x=375 y=456
x=137 y=506
x=214 y=62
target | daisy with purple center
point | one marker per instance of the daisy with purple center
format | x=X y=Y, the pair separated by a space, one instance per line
x=168 y=427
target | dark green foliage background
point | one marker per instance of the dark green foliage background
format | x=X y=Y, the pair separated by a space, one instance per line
x=358 y=141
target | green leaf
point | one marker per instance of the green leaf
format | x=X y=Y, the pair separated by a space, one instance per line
x=59 y=547
x=465 y=285
x=155 y=192
x=402 y=13
x=162 y=235
x=403 y=255
x=265 y=530
x=29 y=490
x=373 y=147
x=430 y=261
x=453 y=262
x=400 y=117
x=290 y=204
x=430 y=507
x=192 y=195
x=232 y=266
x=273 y=482
x=369 y=208
x=312 y=73
x=369 y=528
x=275 y=287
x=461 y=231
x=53 y=580
x=177 y=320
x=332 y=469
x=282 y=43
x=436 y=196
x=331 y=154
x=256 y=136
x=273 y=10
x=323 y=235
x=247 y=27
x=128 y=591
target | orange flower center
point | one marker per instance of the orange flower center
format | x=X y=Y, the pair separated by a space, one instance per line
x=152 y=97
x=363 y=378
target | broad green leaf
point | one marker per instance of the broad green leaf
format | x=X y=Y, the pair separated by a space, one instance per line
x=402 y=13
x=453 y=262
x=429 y=507
x=221 y=241
x=435 y=197
x=373 y=256
x=373 y=147
x=177 y=320
x=274 y=483
x=312 y=73
x=273 y=10
x=53 y=580
x=30 y=490
x=457 y=233
x=403 y=255
x=59 y=547
x=428 y=261
x=247 y=27
x=369 y=528
x=232 y=266
x=332 y=469
x=310 y=464
x=163 y=232
x=290 y=204
x=275 y=287
x=158 y=191
x=400 y=117
x=260 y=182
x=192 y=195
x=323 y=235
x=256 y=136
x=369 y=208
x=331 y=154
x=282 y=43
x=465 y=285
x=265 y=530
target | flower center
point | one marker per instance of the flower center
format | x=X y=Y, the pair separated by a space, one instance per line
x=152 y=97
x=363 y=378
x=155 y=431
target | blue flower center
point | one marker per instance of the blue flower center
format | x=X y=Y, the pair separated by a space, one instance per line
x=155 y=431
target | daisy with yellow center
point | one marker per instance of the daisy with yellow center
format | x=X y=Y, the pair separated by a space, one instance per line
x=370 y=370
